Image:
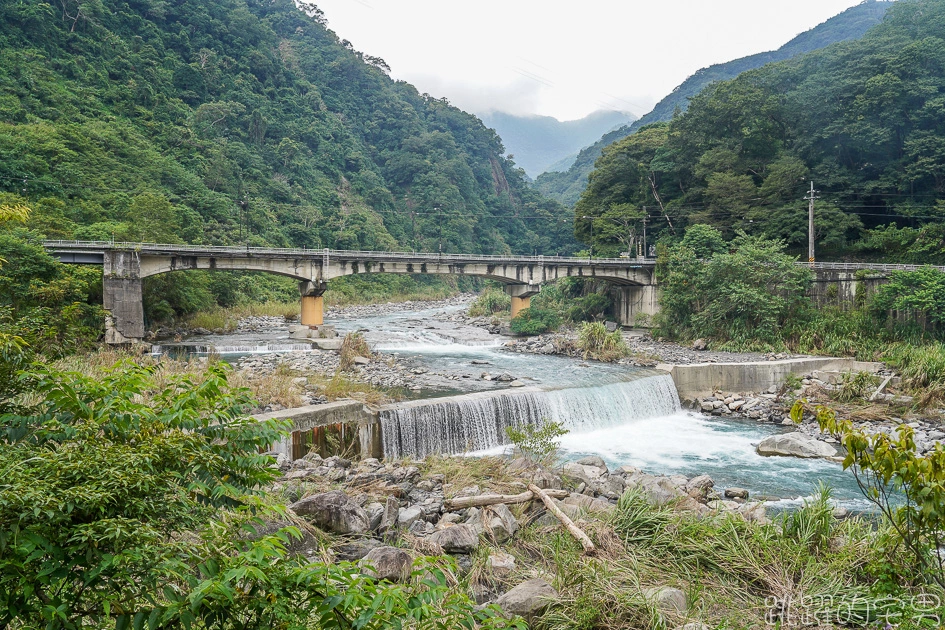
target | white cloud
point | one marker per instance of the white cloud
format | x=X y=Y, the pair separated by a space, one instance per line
x=565 y=59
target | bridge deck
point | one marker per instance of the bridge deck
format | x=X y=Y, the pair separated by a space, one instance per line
x=92 y=252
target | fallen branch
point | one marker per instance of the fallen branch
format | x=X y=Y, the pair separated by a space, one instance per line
x=492 y=499
x=561 y=516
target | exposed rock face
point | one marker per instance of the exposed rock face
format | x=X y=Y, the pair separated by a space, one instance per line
x=736 y=493
x=387 y=563
x=795 y=444
x=334 y=512
x=457 y=539
x=528 y=598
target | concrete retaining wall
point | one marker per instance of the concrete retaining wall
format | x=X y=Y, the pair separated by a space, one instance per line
x=347 y=419
x=703 y=379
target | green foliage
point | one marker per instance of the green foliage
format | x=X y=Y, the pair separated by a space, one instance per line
x=116 y=513
x=490 y=302
x=888 y=465
x=534 y=321
x=55 y=308
x=855 y=386
x=811 y=526
x=537 y=444
x=243 y=122
x=921 y=292
x=596 y=343
x=704 y=240
x=742 y=155
x=745 y=296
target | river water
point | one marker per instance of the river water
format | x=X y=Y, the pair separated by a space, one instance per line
x=626 y=415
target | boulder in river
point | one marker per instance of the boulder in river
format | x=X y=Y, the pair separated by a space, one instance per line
x=795 y=444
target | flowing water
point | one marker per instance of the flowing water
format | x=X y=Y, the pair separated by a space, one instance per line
x=626 y=415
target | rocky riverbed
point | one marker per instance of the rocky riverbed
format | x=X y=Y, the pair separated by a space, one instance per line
x=386 y=513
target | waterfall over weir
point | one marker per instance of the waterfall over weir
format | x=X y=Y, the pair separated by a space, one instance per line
x=475 y=422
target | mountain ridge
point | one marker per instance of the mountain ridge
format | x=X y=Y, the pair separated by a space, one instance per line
x=852 y=23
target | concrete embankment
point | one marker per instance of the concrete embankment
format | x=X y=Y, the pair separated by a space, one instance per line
x=702 y=379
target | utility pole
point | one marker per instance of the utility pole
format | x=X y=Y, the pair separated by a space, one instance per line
x=810 y=223
x=644 y=231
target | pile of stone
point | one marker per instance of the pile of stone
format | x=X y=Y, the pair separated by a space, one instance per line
x=764 y=407
x=378 y=370
x=376 y=505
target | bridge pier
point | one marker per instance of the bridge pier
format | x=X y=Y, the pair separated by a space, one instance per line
x=121 y=297
x=635 y=303
x=521 y=295
x=313 y=302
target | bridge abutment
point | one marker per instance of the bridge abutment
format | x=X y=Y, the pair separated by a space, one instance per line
x=635 y=305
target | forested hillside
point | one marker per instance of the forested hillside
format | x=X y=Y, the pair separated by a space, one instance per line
x=243 y=121
x=851 y=24
x=865 y=120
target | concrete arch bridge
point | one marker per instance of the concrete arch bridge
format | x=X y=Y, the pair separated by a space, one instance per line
x=125 y=265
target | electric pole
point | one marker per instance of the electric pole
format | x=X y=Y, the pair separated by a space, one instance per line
x=810 y=223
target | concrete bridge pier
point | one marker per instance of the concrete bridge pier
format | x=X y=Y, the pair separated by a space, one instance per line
x=521 y=295
x=635 y=304
x=121 y=292
x=313 y=304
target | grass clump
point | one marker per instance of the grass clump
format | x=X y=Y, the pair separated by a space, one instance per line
x=354 y=345
x=596 y=343
x=490 y=302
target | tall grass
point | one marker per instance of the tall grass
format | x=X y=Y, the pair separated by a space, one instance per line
x=596 y=343
x=490 y=302
x=352 y=346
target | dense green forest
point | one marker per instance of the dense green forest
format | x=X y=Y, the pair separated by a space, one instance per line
x=865 y=120
x=566 y=186
x=243 y=121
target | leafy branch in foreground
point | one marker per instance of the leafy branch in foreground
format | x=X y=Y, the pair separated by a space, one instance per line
x=116 y=512
x=908 y=489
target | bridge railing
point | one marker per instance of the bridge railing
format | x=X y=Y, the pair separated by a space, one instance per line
x=332 y=253
x=345 y=254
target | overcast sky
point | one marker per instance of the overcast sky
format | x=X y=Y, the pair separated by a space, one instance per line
x=565 y=59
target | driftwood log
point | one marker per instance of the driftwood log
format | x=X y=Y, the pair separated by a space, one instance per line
x=492 y=499
x=581 y=537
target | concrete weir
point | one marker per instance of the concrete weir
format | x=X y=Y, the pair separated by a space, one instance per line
x=329 y=429
x=703 y=379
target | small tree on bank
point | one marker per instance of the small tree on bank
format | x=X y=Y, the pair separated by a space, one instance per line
x=745 y=295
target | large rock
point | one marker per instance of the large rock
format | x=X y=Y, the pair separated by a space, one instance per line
x=390 y=515
x=659 y=490
x=356 y=549
x=307 y=546
x=795 y=444
x=589 y=504
x=408 y=516
x=528 y=598
x=699 y=487
x=387 y=563
x=668 y=599
x=499 y=521
x=334 y=512
x=457 y=539
x=593 y=460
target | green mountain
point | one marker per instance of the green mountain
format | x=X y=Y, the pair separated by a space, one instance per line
x=863 y=119
x=243 y=121
x=851 y=24
x=541 y=143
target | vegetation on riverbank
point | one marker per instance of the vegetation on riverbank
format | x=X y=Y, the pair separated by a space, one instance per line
x=748 y=295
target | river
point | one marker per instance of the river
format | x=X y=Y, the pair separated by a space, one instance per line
x=626 y=415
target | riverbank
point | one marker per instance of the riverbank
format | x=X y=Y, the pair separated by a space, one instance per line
x=664 y=552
